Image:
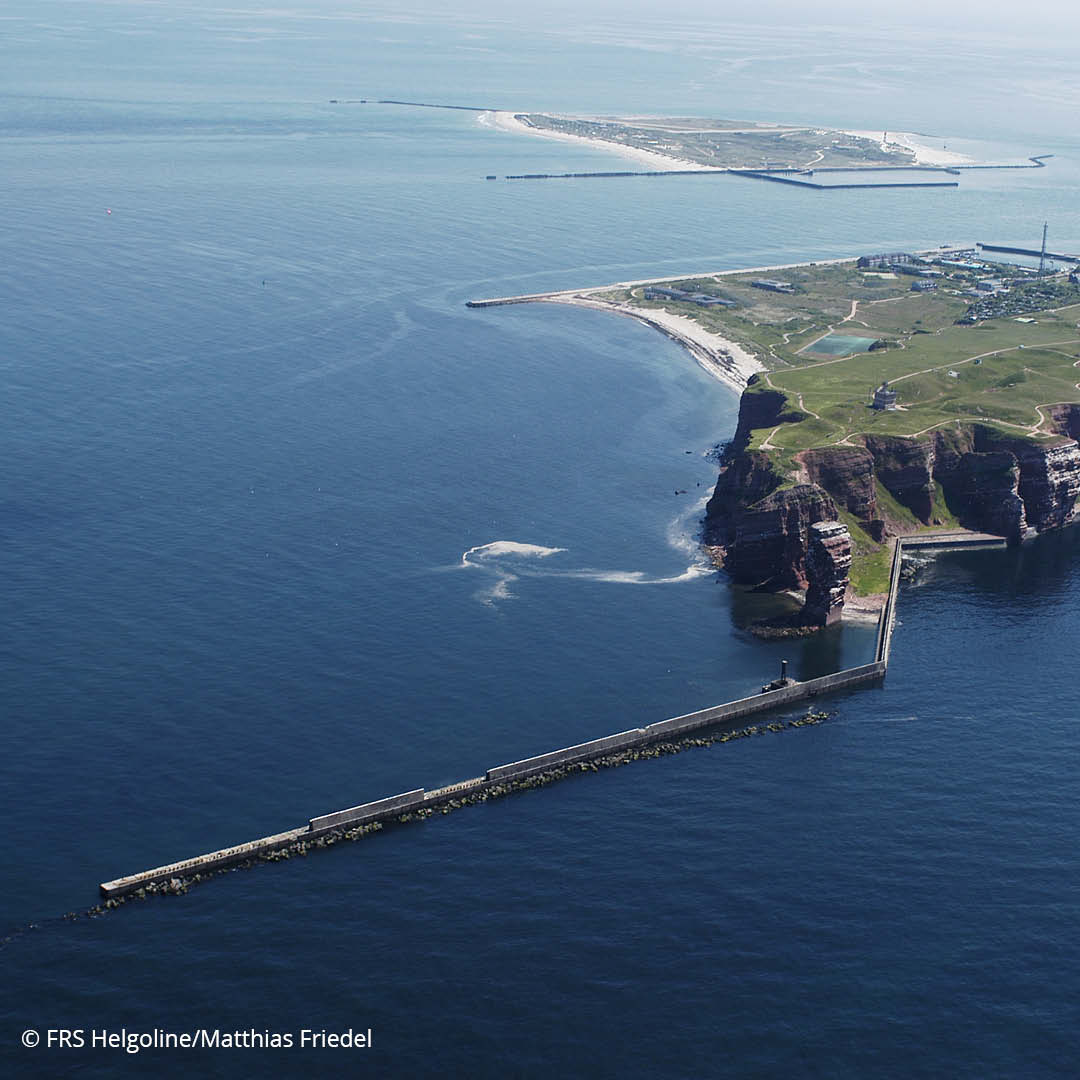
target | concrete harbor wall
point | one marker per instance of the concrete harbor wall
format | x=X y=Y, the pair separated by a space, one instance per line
x=396 y=807
x=498 y=301
x=214 y=860
x=1035 y=253
x=582 y=752
x=359 y=815
x=887 y=619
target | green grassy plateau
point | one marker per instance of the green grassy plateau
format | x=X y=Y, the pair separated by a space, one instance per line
x=994 y=370
x=954 y=354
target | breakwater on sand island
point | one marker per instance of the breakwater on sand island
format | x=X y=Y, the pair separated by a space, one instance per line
x=610 y=751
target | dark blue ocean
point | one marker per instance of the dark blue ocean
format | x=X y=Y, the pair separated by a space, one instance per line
x=254 y=457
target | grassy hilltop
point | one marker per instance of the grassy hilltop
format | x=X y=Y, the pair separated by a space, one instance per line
x=988 y=344
x=951 y=353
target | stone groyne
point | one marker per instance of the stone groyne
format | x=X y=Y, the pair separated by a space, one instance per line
x=665 y=736
x=396 y=806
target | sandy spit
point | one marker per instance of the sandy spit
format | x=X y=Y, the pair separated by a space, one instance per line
x=654 y=162
x=926 y=151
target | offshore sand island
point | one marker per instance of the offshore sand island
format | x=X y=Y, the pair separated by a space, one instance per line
x=684 y=143
x=890 y=395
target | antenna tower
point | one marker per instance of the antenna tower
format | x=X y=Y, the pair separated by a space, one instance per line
x=1042 y=255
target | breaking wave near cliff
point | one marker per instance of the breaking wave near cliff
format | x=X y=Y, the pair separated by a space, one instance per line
x=508 y=561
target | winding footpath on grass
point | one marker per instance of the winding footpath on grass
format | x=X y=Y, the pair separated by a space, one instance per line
x=831 y=329
x=1032 y=429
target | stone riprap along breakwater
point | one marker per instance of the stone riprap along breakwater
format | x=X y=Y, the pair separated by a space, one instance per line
x=664 y=736
x=500 y=778
x=920 y=430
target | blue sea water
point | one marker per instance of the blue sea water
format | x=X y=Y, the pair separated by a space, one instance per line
x=256 y=457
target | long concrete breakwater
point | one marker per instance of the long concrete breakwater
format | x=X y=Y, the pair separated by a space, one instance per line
x=365 y=817
x=391 y=808
x=887 y=619
x=590 y=290
x=1033 y=252
x=793 y=176
x=799 y=176
x=778 y=178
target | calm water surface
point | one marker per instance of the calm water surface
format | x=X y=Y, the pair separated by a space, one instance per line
x=251 y=434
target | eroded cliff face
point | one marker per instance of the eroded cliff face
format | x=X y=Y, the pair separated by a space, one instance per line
x=761 y=407
x=906 y=468
x=847 y=473
x=986 y=485
x=764 y=505
x=1065 y=419
x=910 y=467
x=745 y=479
x=756 y=521
x=770 y=541
x=1051 y=490
x=1049 y=478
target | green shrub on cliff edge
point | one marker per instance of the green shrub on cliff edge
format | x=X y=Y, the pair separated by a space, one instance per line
x=870 y=561
x=870 y=570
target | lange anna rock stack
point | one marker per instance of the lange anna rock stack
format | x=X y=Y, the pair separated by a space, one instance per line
x=828 y=560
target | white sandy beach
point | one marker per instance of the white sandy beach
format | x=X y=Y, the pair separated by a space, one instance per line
x=923 y=147
x=725 y=360
x=507 y=121
x=926 y=150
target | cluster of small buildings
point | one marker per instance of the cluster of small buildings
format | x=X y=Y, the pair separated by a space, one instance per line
x=657 y=292
x=963 y=264
x=990 y=293
x=901 y=262
x=995 y=300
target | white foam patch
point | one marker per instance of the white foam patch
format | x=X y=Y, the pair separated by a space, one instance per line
x=499 y=548
x=509 y=560
x=630 y=577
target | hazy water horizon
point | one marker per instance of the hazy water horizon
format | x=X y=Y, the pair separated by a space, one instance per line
x=252 y=434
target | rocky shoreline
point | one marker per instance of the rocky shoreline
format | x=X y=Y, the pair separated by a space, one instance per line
x=765 y=512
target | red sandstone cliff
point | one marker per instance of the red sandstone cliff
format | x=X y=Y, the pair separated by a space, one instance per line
x=761 y=512
x=828 y=559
